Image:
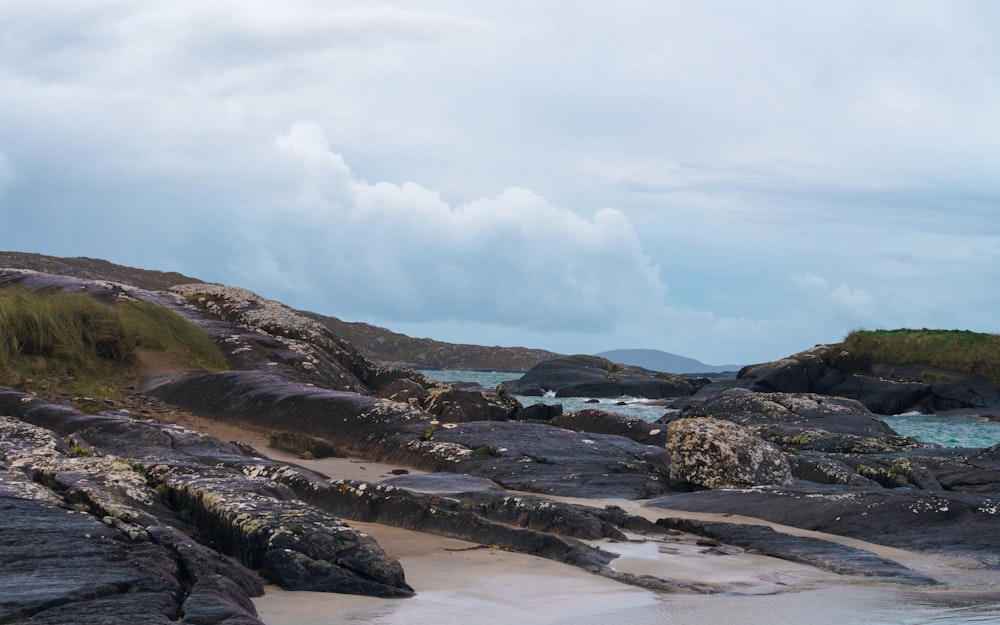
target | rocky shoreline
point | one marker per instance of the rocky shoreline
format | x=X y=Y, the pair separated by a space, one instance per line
x=180 y=526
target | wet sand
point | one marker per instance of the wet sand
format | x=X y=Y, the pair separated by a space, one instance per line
x=459 y=583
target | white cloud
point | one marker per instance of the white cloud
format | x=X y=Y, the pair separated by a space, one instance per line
x=402 y=250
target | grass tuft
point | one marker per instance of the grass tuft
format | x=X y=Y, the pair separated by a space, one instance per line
x=957 y=350
x=69 y=342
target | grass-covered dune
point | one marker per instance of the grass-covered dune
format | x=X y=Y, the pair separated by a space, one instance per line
x=52 y=340
x=957 y=350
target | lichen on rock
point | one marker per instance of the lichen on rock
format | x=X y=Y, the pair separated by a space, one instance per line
x=712 y=453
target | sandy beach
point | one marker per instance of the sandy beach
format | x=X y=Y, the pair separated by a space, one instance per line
x=458 y=582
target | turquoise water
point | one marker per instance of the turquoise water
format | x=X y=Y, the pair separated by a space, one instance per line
x=950 y=431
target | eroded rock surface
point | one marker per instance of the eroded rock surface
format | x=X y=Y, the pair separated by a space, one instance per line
x=142 y=475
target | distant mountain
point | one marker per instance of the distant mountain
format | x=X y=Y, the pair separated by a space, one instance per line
x=656 y=360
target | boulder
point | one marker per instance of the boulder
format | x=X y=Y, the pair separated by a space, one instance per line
x=711 y=453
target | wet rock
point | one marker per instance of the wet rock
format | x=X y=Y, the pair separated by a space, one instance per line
x=823 y=469
x=541 y=412
x=60 y=565
x=931 y=521
x=444 y=483
x=525 y=456
x=823 y=554
x=712 y=453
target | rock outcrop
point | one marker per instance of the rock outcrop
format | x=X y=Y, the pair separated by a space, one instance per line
x=593 y=376
x=141 y=475
x=882 y=388
x=801 y=421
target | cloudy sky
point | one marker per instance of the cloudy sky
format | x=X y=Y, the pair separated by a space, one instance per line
x=727 y=180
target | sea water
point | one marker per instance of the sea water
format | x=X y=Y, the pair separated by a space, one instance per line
x=949 y=431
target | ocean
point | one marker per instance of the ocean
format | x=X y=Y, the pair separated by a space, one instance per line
x=950 y=431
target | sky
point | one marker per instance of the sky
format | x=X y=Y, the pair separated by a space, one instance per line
x=726 y=180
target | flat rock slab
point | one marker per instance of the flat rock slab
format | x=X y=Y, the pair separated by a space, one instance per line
x=957 y=523
x=553 y=461
x=823 y=554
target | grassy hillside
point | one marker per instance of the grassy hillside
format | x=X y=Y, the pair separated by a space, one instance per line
x=74 y=342
x=959 y=350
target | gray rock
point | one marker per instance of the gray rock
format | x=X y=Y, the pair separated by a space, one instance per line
x=803 y=421
x=712 y=453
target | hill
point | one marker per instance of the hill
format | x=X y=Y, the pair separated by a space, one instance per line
x=380 y=345
x=657 y=360
x=95 y=269
x=390 y=348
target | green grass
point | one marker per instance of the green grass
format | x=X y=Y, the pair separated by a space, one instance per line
x=155 y=328
x=74 y=343
x=957 y=350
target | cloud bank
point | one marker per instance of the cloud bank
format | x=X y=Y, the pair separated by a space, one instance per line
x=402 y=250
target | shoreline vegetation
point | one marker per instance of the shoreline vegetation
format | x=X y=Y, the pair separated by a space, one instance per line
x=57 y=342
x=956 y=350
